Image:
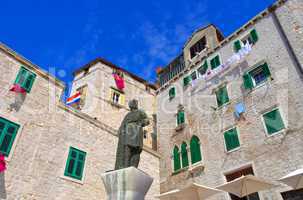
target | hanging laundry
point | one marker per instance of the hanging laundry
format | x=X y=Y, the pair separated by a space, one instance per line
x=2 y=163
x=239 y=110
x=119 y=81
x=18 y=89
x=74 y=99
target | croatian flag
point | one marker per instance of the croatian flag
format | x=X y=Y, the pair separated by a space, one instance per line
x=74 y=99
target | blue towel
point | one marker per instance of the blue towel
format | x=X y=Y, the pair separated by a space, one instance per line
x=239 y=109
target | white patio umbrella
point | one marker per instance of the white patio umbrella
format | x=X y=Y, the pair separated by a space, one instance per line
x=294 y=179
x=245 y=186
x=193 y=192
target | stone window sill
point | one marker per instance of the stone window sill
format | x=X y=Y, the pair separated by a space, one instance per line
x=199 y=166
x=180 y=127
x=180 y=171
x=72 y=179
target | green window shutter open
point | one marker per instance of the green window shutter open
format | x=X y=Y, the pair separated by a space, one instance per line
x=176 y=156
x=172 y=92
x=254 y=35
x=237 y=45
x=180 y=117
x=202 y=70
x=186 y=80
x=247 y=81
x=215 y=62
x=231 y=139
x=222 y=96
x=273 y=121
x=75 y=163
x=8 y=132
x=266 y=70
x=195 y=151
x=25 y=79
x=184 y=155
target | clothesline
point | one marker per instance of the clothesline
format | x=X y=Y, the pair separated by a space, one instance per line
x=235 y=58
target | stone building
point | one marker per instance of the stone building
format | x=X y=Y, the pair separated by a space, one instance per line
x=54 y=151
x=232 y=106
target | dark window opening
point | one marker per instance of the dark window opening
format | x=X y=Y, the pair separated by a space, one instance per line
x=198 y=47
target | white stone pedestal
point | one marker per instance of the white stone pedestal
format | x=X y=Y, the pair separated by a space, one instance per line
x=126 y=184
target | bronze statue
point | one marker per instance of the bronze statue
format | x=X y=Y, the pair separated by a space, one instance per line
x=131 y=137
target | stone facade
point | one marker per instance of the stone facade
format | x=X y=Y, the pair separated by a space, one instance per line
x=270 y=156
x=48 y=128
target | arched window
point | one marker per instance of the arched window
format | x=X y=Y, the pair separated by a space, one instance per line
x=176 y=155
x=184 y=155
x=195 y=151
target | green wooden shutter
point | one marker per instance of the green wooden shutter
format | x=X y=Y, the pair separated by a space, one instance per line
x=222 y=96
x=266 y=70
x=25 y=79
x=215 y=62
x=75 y=163
x=184 y=155
x=237 y=45
x=21 y=77
x=254 y=35
x=202 y=70
x=180 y=117
x=195 y=151
x=273 y=121
x=248 y=83
x=8 y=132
x=172 y=92
x=176 y=155
x=186 y=80
x=231 y=139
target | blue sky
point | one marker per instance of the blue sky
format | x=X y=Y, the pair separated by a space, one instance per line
x=63 y=35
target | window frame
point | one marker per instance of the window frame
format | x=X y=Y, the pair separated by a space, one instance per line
x=282 y=118
x=238 y=134
x=216 y=90
x=18 y=131
x=172 y=96
x=212 y=58
x=72 y=178
x=200 y=149
x=194 y=47
x=246 y=38
x=28 y=72
x=257 y=65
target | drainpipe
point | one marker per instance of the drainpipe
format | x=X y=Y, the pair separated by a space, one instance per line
x=289 y=48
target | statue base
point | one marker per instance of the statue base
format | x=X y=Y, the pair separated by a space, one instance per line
x=126 y=184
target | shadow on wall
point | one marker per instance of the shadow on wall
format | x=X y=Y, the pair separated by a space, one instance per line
x=19 y=99
x=2 y=186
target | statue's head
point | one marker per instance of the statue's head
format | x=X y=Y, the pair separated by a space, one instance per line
x=133 y=104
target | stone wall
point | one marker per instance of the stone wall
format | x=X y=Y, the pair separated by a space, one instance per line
x=270 y=156
x=48 y=128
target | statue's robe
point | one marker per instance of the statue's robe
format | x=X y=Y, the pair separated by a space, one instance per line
x=131 y=139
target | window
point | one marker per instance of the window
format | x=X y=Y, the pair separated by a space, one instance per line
x=195 y=151
x=145 y=134
x=193 y=75
x=180 y=118
x=215 y=62
x=184 y=155
x=222 y=96
x=75 y=163
x=186 y=81
x=8 y=132
x=273 y=121
x=176 y=156
x=256 y=76
x=25 y=79
x=172 y=93
x=252 y=38
x=202 y=70
x=237 y=174
x=231 y=139
x=117 y=97
x=197 y=47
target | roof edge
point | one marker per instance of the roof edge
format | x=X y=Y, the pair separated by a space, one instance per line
x=110 y=64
